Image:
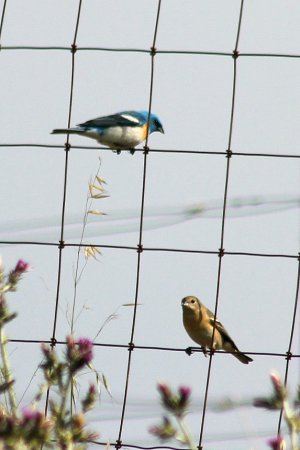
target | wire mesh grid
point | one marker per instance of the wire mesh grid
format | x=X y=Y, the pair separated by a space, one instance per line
x=141 y=249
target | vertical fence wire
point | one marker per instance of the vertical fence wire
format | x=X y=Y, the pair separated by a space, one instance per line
x=140 y=243
x=2 y=19
x=64 y=196
x=221 y=249
x=289 y=354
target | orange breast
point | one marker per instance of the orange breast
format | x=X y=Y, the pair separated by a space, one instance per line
x=144 y=130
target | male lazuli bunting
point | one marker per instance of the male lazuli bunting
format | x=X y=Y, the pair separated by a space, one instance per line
x=124 y=130
x=199 y=322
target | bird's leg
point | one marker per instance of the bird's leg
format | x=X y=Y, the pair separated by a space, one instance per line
x=204 y=350
x=131 y=151
x=212 y=349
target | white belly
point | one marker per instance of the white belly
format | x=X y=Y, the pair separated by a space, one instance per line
x=118 y=138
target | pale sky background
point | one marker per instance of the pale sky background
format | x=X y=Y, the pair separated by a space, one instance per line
x=192 y=96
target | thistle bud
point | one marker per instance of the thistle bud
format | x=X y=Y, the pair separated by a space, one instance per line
x=164 y=431
x=276 y=443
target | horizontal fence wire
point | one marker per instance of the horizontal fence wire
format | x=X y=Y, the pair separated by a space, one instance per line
x=132 y=346
x=147 y=51
x=150 y=249
x=153 y=150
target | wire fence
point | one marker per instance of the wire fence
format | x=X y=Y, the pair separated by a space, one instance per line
x=140 y=249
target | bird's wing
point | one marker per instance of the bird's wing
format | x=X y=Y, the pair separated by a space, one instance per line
x=120 y=120
x=223 y=332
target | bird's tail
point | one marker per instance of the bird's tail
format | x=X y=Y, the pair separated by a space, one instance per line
x=76 y=130
x=242 y=357
x=230 y=347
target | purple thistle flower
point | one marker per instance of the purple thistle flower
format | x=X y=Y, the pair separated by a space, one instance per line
x=85 y=347
x=22 y=266
x=80 y=353
x=31 y=415
x=164 y=390
x=184 y=392
x=184 y=396
x=174 y=402
x=15 y=275
x=276 y=443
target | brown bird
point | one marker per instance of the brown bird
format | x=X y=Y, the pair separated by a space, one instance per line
x=199 y=323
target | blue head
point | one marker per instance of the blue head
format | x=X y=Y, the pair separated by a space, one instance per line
x=154 y=122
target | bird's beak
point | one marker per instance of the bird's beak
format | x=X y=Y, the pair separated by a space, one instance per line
x=161 y=130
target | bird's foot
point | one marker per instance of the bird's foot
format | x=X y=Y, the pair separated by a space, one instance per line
x=132 y=151
x=189 y=351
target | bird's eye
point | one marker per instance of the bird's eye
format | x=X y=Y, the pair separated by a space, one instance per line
x=193 y=300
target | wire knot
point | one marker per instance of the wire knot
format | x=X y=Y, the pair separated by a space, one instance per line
x=139 y=248
x=235 y=54
x=118 y=444
x=228 y=153
x=130 y=346
x=221 y=252
x=73 y=48
x=146 y=149
x=153 y=51
x=61 y=245
x=288 y=356
x=67 y=146
x=211 y=352
x=53 y=342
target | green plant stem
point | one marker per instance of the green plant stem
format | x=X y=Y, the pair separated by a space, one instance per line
x=294 y=439
x=65 y=392
x=77 y=275
x=88 y=204
x=288 y=413
x=7 y=372
x=186 y=434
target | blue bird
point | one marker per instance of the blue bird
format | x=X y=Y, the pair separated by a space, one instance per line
x=121 y=131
